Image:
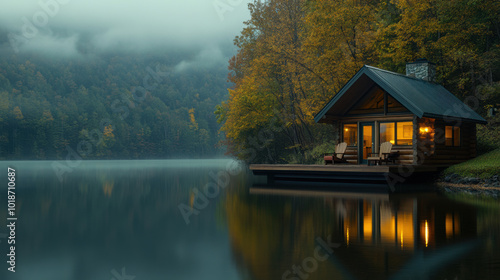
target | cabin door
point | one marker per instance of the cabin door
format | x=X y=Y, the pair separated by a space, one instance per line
x=366 y=141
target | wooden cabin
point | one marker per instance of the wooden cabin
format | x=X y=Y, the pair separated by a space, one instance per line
x=426 y=123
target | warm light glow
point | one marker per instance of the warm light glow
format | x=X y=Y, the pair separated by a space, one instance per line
x=425 y=129
x=401 y=239
x=392 y=142
x=367 y=221
x=347 y=129
x=347 y=237
x=449 y=225
x=426 y=234
x=387 y=224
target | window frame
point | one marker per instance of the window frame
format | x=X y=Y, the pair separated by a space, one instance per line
x=357 y=134
x=453 y=136
x=395 y=131
x=385 y=110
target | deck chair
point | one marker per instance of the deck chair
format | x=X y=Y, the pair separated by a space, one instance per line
x=337 y=156
x=382 y=155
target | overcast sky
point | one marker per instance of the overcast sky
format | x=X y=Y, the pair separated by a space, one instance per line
x=73 y=27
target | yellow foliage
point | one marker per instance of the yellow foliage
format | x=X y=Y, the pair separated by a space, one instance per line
x=18 y=114
x=47 y=116
x=108 y=136
x=295 y=55
x=193 y=124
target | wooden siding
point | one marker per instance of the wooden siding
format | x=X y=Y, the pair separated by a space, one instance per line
x=405 y=154
x=434 y=150
x=428 y=147
x=351 y=155
x=424 y=145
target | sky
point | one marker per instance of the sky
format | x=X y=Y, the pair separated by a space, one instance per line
x=71 y=28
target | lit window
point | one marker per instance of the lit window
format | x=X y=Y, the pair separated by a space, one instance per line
x=398 y=133
x=387 y=133
x=405 y=133
x=351 y=134
x=452 y=136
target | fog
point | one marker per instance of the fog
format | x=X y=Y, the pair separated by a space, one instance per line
x=71 y=28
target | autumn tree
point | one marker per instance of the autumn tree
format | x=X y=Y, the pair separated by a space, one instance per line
x=293 y=56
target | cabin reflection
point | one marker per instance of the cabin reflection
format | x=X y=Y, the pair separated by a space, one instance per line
x=403 y=223
x=380 y=233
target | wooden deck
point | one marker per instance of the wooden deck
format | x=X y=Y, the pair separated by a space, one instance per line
x=344 y=173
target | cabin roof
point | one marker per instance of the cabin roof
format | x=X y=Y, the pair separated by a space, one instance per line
x=422 y=98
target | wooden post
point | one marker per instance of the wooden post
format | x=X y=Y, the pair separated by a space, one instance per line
x=416 y=138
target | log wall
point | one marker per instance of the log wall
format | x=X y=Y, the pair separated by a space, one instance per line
x=434 y=151
x=351 y=155
x=429 y=147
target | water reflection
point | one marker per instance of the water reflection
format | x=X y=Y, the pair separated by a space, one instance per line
x=114 y=214
x=406 y=236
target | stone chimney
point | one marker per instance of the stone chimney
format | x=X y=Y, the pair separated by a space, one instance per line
x=421 y=69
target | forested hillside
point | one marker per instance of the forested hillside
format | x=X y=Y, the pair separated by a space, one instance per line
x=108 y=106
x=294 y=55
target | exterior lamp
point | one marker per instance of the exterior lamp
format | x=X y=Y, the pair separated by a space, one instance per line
x=425 y=129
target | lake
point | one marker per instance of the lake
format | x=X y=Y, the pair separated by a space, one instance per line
x=205 y=219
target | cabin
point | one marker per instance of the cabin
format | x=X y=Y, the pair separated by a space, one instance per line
x=426 y=124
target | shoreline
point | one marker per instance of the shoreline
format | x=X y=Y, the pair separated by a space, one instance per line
x=456 y=183
x=470 y=189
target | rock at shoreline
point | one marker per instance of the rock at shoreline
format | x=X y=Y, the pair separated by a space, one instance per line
x=452 y=178
x=456 y=179
x=473 y=181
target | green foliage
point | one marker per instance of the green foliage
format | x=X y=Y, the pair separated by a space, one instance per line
x=48 y=105
x=315 y=156
x=483 y=166
x=488 y=136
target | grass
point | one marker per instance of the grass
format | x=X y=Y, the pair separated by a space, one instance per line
x=483 y=166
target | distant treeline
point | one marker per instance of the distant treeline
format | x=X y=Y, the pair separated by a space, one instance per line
x=108 y=107
x=295 y=55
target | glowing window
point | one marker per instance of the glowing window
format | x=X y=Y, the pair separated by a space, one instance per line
x=351 y=134
x=405 y=133
x=452 y=136
x=387 y=133
x=398 y=133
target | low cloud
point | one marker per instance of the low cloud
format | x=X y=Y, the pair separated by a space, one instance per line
x=72 y=28
x=205 y=58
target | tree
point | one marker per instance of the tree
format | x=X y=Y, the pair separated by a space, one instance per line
x=293 y=56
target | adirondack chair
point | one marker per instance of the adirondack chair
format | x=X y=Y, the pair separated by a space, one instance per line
x=382 y=155
x=337 y=156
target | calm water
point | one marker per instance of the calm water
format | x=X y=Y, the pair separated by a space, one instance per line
x=125 y=219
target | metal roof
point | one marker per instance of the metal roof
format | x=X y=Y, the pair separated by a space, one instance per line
x=422 y=98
